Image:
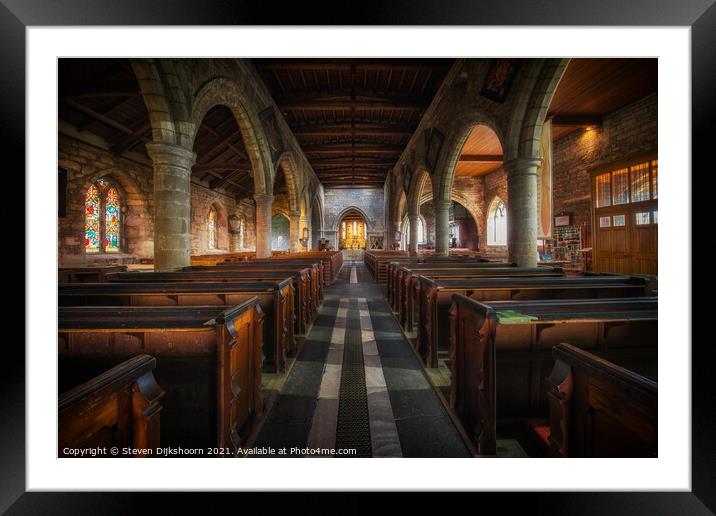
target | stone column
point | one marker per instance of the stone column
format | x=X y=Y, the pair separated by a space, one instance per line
x=294 y=231
x=413 y=219
x=522 y=210
x=172 y=205
x=442 y=227
x=264 y=204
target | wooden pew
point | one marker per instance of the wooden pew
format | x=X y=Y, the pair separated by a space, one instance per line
x=599 y=409
x=395 y=269
x=498 y=366
x=315 y=266
x=381 y=266
x=409 y=289
x=304 y=297
x=120 y=407
x=87 y=274
x=399 y=275
x=275 y=297
x=436 y=296
x=208 y=361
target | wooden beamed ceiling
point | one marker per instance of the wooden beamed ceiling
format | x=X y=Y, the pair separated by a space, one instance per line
x=102 y=96
x=353 y=117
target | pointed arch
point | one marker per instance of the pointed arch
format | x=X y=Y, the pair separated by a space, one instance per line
x=496 y=223
x=287 y=163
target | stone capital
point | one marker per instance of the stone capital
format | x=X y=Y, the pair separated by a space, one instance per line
x=263 y=199
x=169 y=154
x=522 y=166
x=442 y=204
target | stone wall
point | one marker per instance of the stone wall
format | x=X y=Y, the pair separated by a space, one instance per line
x=87 y=163
x=630 y=131
x=337 y=201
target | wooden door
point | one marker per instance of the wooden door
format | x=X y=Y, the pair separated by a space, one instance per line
x=625 y=210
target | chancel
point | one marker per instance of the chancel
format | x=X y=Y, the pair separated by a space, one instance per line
x=358 y=257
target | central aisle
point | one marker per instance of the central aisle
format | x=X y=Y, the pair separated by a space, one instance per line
x=357 y=385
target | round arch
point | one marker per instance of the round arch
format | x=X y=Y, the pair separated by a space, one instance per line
x=455 y=143
x=287 y=163
x=368 y=224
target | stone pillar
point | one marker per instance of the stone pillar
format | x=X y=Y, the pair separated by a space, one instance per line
x=172 y=205
x=522 y=210
x=442 y=227
x=413 y=219
x=264 y=204
x=294 y=231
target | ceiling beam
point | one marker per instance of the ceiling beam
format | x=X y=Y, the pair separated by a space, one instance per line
x=127 y=141
x=481 y=158
x=203 y=167
x=370 y=105
x=344 y=65
x=347 y=129
x=98 y=116
x=576 y=120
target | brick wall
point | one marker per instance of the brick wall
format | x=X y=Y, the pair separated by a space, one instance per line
x=631 y=130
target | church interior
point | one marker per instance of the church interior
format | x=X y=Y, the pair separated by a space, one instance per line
x=358 y=257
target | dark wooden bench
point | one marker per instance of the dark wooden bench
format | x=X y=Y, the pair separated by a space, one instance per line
x=304 y=299
x=87 y=274
x=120 y=407
x=275 y=297
x=397 y=269
x=599 y=409
x=409 y=288
x=498 y=366
x=381 y=265
x=436 y=297
x=208 y=361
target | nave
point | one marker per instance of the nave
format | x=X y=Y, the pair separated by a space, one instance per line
x=357 y=385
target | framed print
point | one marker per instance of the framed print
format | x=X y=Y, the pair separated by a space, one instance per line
x=185 y=335
x=563 y=220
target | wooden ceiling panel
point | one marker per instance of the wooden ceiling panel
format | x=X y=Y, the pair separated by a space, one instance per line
x=481 y=153
x=353 y=115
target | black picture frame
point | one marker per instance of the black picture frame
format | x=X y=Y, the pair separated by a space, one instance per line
x=499 y=93
x=17 y=15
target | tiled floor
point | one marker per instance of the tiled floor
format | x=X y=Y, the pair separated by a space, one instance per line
x=405 y=415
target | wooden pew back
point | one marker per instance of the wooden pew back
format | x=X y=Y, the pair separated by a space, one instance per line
x=275 y=298
x=118 y=408
x=499 y=366
x=599 y=409
x=208 y=360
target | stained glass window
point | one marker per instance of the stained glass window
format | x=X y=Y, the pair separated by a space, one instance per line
x=641 y=218
x=640 y=182
x=92 y=211
x=619 y=220
x=605 y=222
x=213 y=244
x=604 y=196
x=654 y=179
x=620 y=186
x=102 y=218
x=111 y=224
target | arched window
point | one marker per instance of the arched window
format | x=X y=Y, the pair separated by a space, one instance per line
x=421 y=231
x=103 y=212
x=497 y=223
x=213 y=235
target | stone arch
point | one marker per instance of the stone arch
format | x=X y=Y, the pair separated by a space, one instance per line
x=369 y=224
x=167 y=106
x=293 y=178
x=222 y=91
x=454 y=143
x=536 y=86
x=417 y=183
